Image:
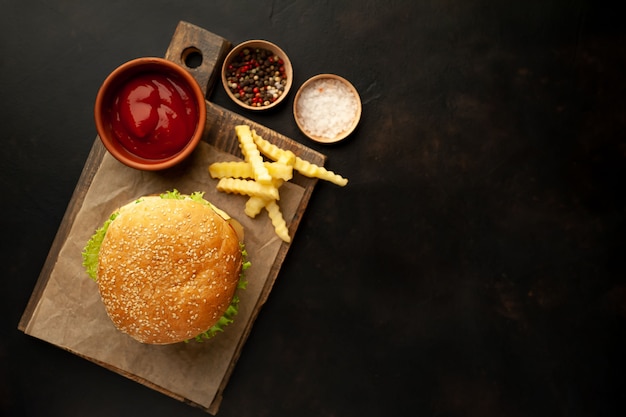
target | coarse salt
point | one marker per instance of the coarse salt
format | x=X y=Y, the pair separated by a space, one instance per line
x=326 y=108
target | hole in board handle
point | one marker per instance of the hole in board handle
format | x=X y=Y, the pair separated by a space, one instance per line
x=192 y=57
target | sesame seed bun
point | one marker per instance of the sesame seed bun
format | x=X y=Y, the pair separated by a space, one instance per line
x=168 y=269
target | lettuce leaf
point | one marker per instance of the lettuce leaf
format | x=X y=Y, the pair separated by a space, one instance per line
x=172 y=195
x=92 y=248
x=224 y=321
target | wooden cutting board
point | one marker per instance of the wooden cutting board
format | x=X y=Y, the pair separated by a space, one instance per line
x=188 y=44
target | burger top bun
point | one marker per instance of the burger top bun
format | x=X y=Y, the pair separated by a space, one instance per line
x=168 y=269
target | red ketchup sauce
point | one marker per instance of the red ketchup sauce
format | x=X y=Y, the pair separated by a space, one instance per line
x=154 y=115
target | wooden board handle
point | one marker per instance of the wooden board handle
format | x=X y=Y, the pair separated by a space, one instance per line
x=200 y=52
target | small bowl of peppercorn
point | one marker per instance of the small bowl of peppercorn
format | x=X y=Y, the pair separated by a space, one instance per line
x=257 y=75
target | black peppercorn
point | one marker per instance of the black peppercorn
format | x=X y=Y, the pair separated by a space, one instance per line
x=259 y=70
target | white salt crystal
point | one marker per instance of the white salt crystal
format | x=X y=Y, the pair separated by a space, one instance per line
x=326 y=108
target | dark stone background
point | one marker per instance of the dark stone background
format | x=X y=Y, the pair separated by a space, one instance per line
x=472 y=267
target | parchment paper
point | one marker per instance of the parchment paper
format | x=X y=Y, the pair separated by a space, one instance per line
x=71 y=315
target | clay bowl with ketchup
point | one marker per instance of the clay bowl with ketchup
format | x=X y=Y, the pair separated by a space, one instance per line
x=150 y=113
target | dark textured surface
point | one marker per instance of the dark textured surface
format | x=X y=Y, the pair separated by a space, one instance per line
x=472 y=267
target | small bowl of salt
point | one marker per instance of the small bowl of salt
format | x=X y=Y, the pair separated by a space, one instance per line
x=327 y=108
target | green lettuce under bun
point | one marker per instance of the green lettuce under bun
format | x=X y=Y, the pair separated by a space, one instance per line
x=92 y=249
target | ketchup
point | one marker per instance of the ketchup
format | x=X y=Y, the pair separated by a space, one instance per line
x=154 y=115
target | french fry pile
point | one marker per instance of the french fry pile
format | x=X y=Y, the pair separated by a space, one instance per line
x=261 y=180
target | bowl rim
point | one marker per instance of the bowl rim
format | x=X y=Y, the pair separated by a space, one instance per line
x=113 y=80
x=267 y=45
x=344 y=134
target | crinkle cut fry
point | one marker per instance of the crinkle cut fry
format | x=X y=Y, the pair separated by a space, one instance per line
x=268 y=149
x=242 y=169
x=308 y=169
x=255 y=204
x=278 y=221
x=251 y=154
x=248 y=187
x=304 y=167
x=233 y=169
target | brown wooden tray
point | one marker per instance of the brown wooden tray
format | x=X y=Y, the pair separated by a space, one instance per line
x=219 y=130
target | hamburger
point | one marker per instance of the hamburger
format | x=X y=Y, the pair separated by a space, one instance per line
x=168 y=267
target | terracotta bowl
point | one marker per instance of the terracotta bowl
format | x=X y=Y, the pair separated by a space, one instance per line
x=239 y=64
x=141 y=150
x=327 y=108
